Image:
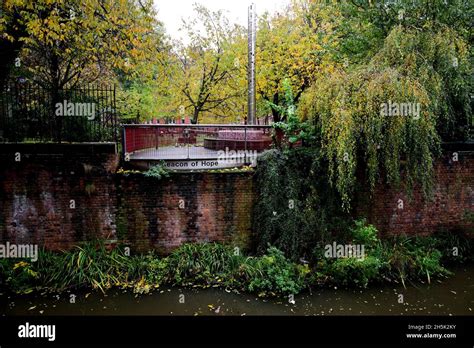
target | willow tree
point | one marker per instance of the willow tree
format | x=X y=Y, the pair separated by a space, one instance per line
x=367 y=24
x=414 y=67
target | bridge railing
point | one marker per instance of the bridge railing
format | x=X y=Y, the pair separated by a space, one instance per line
x=183 y=141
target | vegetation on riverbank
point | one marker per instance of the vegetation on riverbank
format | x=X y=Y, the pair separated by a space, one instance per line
x=216 y=265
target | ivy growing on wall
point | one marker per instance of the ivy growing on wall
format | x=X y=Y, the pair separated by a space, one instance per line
x=295 y=207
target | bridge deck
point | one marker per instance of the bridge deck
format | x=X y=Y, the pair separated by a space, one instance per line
x=174 y=153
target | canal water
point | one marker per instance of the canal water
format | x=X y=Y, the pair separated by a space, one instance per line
x=451 y=296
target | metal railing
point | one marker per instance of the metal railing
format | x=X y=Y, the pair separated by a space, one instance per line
x=202 y=141
x=83 y=114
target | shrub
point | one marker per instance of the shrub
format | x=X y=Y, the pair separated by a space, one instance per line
x=156 y=270
x=364 y=234
x=273 y=273
x=296 y=208
x=456 y=247
x=396 y=258
x=158 y=171
x=17 y=275
x=410 y=258
x=351 y=271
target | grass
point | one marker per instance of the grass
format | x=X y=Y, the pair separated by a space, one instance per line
x=92 y=265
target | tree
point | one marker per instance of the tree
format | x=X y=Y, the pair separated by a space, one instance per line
x=296 y=46
x=428 y=67
x=369 y=23
x=208 y=70
x=68 y=42
x=10 y=31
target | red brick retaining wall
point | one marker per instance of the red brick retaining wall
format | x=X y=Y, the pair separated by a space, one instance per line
x=395 y=212
x=59 y=199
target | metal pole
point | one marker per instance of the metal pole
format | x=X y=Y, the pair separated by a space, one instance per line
x=186 y=137
x=252 y=33
x=124 y=143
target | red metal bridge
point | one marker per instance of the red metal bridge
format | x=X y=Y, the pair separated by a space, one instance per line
x=145 y=144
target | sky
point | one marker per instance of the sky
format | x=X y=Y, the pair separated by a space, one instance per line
x=170 y=12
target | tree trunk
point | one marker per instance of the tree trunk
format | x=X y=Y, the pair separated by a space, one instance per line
x=195 y=115
x=276 y=115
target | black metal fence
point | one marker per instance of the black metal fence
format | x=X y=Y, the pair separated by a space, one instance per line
x=32 y=113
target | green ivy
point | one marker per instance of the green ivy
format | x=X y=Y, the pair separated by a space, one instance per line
x=295 y=206
x=157 y=171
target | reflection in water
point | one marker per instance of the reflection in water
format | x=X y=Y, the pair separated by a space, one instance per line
x=454 y=296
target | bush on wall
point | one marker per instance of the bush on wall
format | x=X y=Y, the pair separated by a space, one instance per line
x=295 y=207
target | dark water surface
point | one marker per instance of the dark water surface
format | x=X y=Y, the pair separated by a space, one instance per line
x=451 y=296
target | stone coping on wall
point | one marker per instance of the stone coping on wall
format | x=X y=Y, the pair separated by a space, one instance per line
x=458 y=146
x=111 y=147
x=59 y=148
x=97 y=158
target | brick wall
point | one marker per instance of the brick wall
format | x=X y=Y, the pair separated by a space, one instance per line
x=394 y=211
x=37 y=192
x=56 y=195
x=191 y=207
